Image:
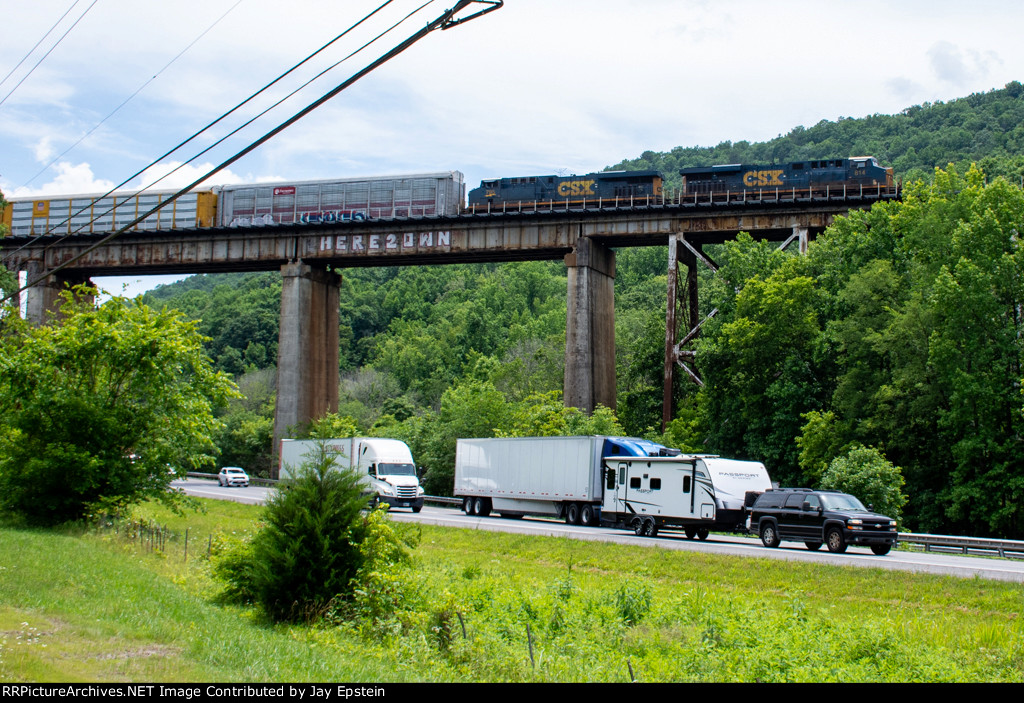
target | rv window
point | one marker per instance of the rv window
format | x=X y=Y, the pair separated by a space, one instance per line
x=686 y=484
x=622 y=475
x=610 y=479
x=634 y=482
x=655 y=484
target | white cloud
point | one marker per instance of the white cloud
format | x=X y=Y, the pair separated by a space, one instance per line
x=44 y=150
x=71 y=179
x=170 y=175
x=960 y=67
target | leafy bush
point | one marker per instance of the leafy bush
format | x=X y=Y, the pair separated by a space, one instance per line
x=867 y=474
x=102 y=407
x=309 y=549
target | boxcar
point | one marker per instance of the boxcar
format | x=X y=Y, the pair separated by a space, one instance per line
x=341 y=200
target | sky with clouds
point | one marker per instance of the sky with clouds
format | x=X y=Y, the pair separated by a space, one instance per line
x=537 y=87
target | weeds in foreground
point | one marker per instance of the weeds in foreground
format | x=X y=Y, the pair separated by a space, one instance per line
x=472 y=606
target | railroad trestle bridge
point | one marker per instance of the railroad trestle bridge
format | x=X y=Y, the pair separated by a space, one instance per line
x=312 y=258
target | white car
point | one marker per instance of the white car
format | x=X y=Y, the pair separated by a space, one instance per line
x=233 y=476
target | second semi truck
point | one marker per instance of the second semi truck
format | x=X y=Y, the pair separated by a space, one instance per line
x=624 y=481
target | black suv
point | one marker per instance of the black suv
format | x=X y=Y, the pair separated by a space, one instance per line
x=819 y=517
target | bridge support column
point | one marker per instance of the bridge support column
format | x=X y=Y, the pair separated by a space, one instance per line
x=44 y=297
x=802 y=235
x=590 y=327
x=307 y=348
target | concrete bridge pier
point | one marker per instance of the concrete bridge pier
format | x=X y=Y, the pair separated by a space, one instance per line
x=590 y=327
x=44 y=297
x=307 y=348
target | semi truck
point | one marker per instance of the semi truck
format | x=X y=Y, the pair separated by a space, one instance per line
x=386 y=465
x=612 y=481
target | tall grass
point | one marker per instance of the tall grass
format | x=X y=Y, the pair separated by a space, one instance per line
x=481 y=606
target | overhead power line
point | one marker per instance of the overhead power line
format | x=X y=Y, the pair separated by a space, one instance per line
x=130 y=97
x=209 y=126
x=445 y=21
x=74 y=24
x=41 y=40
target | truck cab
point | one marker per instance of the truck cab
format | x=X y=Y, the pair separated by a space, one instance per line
x=389 y=466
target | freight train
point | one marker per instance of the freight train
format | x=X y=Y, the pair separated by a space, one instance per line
x=429 y=194
x=252 y=205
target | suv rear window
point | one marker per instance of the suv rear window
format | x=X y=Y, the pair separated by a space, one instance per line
x=769 y=500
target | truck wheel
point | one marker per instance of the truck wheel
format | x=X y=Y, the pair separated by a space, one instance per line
x=572 y=514
x=485 y=507
x=702 y=533
x=587 y=515
x=881 y=549
x=835 y=541
x=769 y=537
x=416 y=509
x=691 y=532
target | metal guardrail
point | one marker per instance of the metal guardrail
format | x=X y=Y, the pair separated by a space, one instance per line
x=950 y=544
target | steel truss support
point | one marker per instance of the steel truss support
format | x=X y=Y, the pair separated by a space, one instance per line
x=685 y=300
x=682 y=300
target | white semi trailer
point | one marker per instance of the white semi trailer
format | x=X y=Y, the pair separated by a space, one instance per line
x=623 y=481
x=386 y=464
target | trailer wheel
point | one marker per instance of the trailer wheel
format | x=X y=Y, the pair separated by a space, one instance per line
x=691 y=532
x=481 y=507
x=587 y=515
x=638 y=526
x=702 y=533
x=467 y=505
x=650 y=529
x=572 y=514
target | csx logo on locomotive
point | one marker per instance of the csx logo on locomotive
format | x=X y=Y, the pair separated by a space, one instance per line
x=753 y=179
x=569 y=188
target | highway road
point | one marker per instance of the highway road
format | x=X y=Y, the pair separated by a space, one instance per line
x=901 y=560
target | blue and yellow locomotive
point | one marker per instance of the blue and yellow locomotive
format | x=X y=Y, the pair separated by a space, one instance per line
x=854 y=172
x=605 y=186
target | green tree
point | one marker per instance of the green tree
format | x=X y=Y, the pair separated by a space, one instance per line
x=864 y=472
x=99 y=406
x=8 y=282
x=544 y=415
x=308 y=550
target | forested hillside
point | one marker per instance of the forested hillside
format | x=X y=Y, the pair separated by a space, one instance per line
x=987 y=128
x=897 y=338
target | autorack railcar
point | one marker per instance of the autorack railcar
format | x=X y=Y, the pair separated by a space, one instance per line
x=250 y=205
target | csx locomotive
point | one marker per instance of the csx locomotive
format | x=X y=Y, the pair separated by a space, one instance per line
x=854 y=172
x=590 y=188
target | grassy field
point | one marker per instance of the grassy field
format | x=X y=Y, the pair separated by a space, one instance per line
x=131 y=606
